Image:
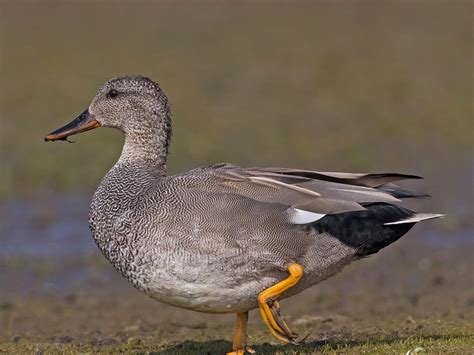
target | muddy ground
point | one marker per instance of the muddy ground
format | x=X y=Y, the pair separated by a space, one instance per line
x=417 y=294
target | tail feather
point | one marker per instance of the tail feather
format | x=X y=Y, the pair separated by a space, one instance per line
x=399 y=193
x=418 y=217
x=370 y=230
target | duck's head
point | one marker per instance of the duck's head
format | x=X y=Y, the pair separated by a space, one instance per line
x=136 y=105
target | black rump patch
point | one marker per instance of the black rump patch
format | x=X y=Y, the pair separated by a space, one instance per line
x=365 y=230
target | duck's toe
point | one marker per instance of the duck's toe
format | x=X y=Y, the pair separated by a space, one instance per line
x=275 y=310
x=270 y=308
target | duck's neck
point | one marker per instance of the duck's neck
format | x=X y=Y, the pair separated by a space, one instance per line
x=147 y=147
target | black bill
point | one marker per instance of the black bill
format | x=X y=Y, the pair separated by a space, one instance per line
x=84 y=122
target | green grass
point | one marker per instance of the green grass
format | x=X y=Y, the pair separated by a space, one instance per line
x=126 y=321
x=433 y=339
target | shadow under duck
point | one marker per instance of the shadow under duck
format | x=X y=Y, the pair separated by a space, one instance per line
x=226 y=239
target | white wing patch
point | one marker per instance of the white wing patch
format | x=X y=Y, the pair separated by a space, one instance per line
x=298 y=216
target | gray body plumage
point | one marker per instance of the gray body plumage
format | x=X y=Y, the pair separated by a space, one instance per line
x=182 y=243
x=213 y=238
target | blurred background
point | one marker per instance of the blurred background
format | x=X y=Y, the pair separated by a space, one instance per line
x=359 y=86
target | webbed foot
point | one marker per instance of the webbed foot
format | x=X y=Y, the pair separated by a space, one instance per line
x=270 y=308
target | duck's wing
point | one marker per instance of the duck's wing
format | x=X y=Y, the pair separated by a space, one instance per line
x=380 y=181
x=311 y=191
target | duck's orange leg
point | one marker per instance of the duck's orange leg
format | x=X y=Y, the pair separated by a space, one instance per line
x=239 y=345
x=270 y=309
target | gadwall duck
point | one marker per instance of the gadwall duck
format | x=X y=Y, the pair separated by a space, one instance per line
x=226 y=239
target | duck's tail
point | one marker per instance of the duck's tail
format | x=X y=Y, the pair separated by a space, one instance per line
x=393 y=222
x=370 y=230
x=417 y=217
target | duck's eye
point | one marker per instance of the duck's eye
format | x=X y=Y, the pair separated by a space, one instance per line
x=112 y=93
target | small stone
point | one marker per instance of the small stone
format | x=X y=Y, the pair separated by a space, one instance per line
x=250 y=350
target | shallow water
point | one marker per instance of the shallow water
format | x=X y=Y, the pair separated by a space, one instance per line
x=53 y=227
